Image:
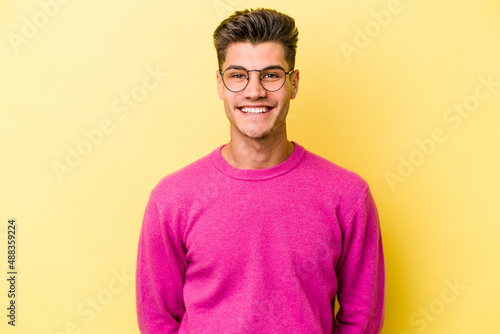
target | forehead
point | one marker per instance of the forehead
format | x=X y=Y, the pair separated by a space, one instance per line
x=255 y=56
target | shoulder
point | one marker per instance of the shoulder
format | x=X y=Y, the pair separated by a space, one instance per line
x=343 y=191
x=332 y=176
x=183 y=181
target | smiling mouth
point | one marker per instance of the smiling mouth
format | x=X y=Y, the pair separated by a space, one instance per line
x=255 y=111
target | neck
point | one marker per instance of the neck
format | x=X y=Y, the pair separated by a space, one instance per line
x=257 y=153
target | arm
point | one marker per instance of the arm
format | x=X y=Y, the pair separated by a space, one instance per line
x=161 y=266
x=360 y=272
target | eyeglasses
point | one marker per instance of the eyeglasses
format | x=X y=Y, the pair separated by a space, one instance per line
x=236 y=78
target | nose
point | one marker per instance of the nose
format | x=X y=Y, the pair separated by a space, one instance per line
x=254 y=88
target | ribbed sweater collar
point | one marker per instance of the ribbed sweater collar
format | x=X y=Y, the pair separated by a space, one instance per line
x=257 y=174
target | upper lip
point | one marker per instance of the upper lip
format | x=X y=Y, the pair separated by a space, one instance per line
x=255 y=106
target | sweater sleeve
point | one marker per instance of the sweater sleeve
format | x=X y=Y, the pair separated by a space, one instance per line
x=360 y=273
x=161 y=266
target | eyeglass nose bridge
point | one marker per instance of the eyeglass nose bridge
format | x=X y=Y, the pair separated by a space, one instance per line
x=260 y=79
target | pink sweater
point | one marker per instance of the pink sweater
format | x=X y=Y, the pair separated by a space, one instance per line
x=227 y=250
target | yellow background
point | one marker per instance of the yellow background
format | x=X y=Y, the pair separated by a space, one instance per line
x=364 y=110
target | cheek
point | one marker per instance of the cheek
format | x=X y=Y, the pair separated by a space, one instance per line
x=284 y=97
x=227 y=107
x=220 y=90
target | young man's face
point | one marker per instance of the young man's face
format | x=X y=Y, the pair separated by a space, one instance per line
x=255 y=112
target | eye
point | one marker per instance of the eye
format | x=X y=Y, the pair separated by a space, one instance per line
x=271 y=75
x=238 y=76
x=235 y=75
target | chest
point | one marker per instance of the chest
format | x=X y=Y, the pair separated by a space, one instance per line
x=262 y=229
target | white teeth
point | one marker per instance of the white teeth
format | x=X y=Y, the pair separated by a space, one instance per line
x=254 y=110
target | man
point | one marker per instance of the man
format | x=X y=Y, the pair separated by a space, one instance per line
x=260 y=235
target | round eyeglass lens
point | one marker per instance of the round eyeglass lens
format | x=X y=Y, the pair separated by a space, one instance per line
x=272 y=79
x=235 y=79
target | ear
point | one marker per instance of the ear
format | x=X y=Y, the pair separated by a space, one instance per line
x=220 y=85
x=295 y=84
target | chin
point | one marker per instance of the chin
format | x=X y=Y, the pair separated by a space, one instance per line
x=258 y=135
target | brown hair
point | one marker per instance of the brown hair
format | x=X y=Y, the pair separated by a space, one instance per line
x=257 y=26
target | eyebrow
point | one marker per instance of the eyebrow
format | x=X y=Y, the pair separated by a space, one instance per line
x=243 y=68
